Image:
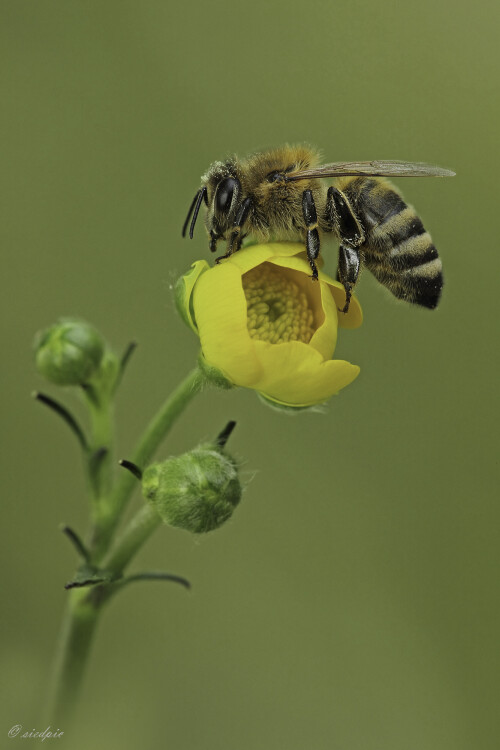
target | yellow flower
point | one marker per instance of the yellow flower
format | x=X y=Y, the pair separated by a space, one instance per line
x=265 y=325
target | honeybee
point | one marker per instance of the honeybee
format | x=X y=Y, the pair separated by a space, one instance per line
x=280 y=195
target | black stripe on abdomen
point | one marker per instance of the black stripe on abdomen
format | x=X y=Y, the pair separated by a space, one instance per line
x=412 y=255
x=404 y=230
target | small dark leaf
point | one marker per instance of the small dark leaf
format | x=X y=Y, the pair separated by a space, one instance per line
x=124 y=362
x=88 y=575
x=65 y=415
x=152 y=576
x=75 y=539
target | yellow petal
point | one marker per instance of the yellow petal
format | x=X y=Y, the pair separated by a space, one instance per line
x=324 y=339
x=253 y=255
x=354 y=316
x=295 y=373
x=221 y=316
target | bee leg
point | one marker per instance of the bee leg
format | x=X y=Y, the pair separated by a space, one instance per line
x=340 y=215
x=236 y=238
x=348 y=272
x=312 y=236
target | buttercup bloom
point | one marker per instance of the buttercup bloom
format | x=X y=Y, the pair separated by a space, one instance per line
x=265 y=325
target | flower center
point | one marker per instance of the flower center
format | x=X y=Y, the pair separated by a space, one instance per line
x=278 y=310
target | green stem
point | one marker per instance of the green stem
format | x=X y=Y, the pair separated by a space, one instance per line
x=74 y=643
x=102 y=438
x=162 y=422
x=84 y=605
x=153 y=435
x=135 y=534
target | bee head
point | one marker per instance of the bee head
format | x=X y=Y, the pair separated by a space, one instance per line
x=223 y=190
x=220 y=191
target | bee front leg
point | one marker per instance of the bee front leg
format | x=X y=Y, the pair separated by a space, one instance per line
x=312 y=236
x=213 y=241
x=236 y=237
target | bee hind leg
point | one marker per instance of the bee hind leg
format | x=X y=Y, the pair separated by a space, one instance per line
x=312 y=236
x=348 y=272
x=342 y=219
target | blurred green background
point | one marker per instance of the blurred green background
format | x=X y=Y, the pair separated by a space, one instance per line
x=352 y=602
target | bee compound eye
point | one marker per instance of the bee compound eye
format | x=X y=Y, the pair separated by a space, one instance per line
x=224 y=194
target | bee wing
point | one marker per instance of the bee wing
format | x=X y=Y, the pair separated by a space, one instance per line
x=371 y=169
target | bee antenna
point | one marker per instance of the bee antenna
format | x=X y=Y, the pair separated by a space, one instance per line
x=200 y=195
x=189 y=213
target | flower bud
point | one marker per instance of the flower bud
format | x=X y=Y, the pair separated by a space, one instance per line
x=69 y=352
x=197 y=491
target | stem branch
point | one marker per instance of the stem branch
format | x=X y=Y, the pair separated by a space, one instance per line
x=153 y=435
x=84 y=605
x=135 y=534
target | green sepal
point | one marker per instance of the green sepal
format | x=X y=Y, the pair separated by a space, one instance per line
x=183 y=293
x=289 y=408
x=102 y=385
x=213 y=375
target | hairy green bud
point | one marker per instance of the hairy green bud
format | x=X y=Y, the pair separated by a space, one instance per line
x=69 y=352
x=197 y=491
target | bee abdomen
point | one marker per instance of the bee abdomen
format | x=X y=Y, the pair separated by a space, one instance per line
x=411 y=270
x=398 y=250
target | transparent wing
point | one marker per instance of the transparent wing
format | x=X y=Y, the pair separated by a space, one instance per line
x=371 y=169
